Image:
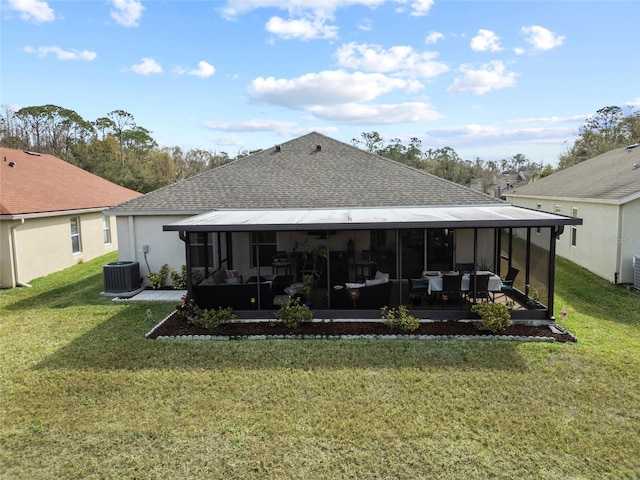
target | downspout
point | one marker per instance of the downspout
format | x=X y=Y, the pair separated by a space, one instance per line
x=619 y=245
x=14 y=254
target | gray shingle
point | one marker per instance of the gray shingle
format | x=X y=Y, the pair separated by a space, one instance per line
x=610 y=176
x=301 y=176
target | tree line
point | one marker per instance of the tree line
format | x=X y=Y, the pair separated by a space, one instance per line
x=113 y=147
x=116 y=148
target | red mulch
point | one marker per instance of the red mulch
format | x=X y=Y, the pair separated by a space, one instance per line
x=176 y=325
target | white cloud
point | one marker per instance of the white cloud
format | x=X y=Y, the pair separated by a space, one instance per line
x=492 y=76
x=228 y=141
x=127 y=12
x=540 y=38
x=334 y=87
x=235 y=8
x=474 y=135
x=550 y=120
x=33 y=10
x=249 y=126
x=342 y=97
x=365 y=25
x=401 y=59
x=375 y=114
x=147 y=66
x=61 y=54
x=303 y=29
x=204 y=70
x=313 y=11
x=485 y=41
x=421 y=7
x=433 y=37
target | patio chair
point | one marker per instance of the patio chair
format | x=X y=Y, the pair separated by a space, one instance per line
x=281 y=260
x=465 y=267
x=451 y=287
x=479 y=287
x=365 y=267
x=507 y=282
x=417 y=286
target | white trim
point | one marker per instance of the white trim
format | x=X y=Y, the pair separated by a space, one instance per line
x=366 y=218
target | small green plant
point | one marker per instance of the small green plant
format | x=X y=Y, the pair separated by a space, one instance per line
x=179 y=279
x=306 y=289
x=533 y=296
x=211 y=318
x=292 y=313
x=495 y=316
x=399 y=318
x=157 y=279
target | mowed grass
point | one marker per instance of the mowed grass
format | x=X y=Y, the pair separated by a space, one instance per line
x=84 y=395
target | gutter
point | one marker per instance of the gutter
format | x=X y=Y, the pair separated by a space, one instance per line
x=14 y=254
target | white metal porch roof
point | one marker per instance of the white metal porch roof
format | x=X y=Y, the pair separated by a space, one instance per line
x=481 y=216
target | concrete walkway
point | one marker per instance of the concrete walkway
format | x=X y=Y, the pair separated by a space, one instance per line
x=155 y=296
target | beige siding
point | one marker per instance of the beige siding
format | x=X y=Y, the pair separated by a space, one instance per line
x=629 y=240
x=43 y=245
x=596 y=245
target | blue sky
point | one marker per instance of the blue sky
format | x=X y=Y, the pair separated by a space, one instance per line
x=488 y=79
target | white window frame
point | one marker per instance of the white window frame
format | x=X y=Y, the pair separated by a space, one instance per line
x=76 y=237
x=106 y=229
x=557 y=208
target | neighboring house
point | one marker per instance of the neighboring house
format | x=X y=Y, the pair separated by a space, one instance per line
x=499 y=185
x=51 y=215
x=605 y=192
x=366 y=213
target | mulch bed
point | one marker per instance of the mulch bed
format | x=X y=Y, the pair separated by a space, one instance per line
x=178 y=326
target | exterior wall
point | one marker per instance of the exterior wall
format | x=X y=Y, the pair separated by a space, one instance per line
x=596 y=239
x=163 y=247
x=629 y=240
x=43 y=245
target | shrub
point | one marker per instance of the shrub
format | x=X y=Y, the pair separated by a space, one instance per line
x=157 y=279
x=179 y=279
x=399 y=319
x=292 y=313
x=495 y=316
x=211 y=318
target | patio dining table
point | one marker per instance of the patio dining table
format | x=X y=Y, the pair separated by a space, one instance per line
x=434 y=280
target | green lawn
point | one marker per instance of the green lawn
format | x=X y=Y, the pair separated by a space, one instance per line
x=85 y=396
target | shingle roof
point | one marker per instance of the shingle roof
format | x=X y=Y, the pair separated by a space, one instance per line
x=40 y=183
x=610 y=176
x=312 y=171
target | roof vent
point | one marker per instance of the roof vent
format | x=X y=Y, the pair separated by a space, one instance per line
x=278 y=148
x=318 y=147
x=636 y=166
x=630 y=147
x=36 y=154
x=12 y=164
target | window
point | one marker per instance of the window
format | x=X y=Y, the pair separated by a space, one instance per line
x=574 y=212
x=76 y=244
x=558 y=209
x=106 y=229
x=574 y=233
x=201 y=244
x=268 y=248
